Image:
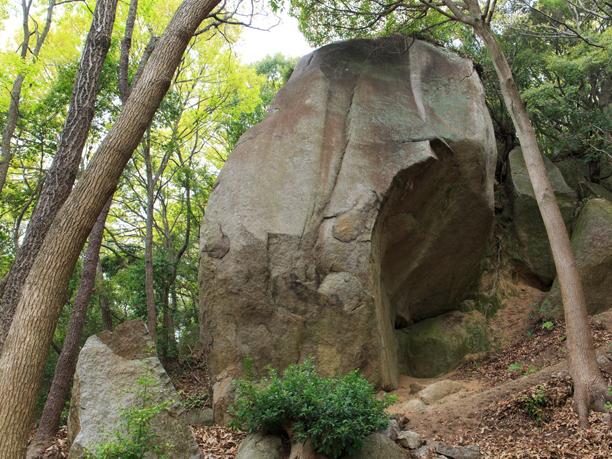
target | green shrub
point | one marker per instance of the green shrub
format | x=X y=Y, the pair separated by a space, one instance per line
x=134 y=438
x=334 y=414
x=534 y=402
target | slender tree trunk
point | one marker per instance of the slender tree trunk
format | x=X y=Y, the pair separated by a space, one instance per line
x=49 y=422
x=13 y=113
x=149 y=284
x=126 y=46
x=23 y=357
x=590 y=389
x=62 y=173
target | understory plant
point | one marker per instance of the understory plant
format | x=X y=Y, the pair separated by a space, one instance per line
x=325 y=415
x=135 y=438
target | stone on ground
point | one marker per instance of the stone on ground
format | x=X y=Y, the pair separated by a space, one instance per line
x=260 y=446
x=342 y=215
x=106 y=381
x=409 y=439
x=592 y=247
x=378 y=446
x=458 y=452
x=438 y=390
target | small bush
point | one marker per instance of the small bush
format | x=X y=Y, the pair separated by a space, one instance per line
x=334 y=414
x=534 y=402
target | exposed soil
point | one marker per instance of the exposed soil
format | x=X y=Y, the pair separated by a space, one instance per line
x=493 y=408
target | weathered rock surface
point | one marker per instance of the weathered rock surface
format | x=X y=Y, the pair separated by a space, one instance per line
x=378 y=446
x=260 y=446
x=438 y=390
x=458 y=452
x=409 y=439
x=529 y=242
x=433 y=347
x=589 y=189
x=361 y=203
x=592 y=247
x=105 y=381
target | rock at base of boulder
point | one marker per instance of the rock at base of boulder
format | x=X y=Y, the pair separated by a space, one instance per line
x=438 y=391
x=378 y=446
x=433 y=347
x=106 y=382
x=260 y=446
x=592 y=247
x=201 y=417
x=409 y=439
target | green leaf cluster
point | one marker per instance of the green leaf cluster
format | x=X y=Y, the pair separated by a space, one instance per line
x=334 y=414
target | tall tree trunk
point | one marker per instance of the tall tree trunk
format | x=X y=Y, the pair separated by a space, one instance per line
x=23 y=357
x=126 y=46
x=13 y=113
x=149 y=284
x=63 y=170
x=590 y=389
x=49 y=422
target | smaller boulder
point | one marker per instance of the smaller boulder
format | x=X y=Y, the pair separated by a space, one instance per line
x=414 y=406
x=433 y=347
x=426 y=451
x=437 y=391
x=528 y=241
x=589 y=189
x=109 y=378
x=392 y=430
x=458 y=452
x=201 y=417
x=260 y=446
x=378 y=446
x=409 y=439
x=592 y=247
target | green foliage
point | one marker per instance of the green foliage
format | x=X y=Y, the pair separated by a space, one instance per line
x=534 y=402
x=334 y=414
x=480 y=337
x=195 y=401
x=548 y=326
x=515 y=367
x=134 y=439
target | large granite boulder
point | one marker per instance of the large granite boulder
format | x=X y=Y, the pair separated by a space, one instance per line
x=106 y=381
x=592 y=247
x=360 y=204
x=528 y=241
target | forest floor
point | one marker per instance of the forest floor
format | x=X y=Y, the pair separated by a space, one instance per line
x=515 y=400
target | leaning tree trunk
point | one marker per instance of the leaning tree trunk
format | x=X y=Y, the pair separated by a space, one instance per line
x=590 y=389
x=25 y=351
x=52 y=413
x=63 y=170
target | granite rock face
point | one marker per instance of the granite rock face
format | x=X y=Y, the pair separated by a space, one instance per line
x=360 y=204
x=529 y=240
x=107 y=372
x=592 y=247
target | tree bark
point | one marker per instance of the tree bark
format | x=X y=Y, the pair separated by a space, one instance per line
x=590 y=389
x=13 y=113
x=25 y=351
x=62 y=173
x=50 y=419
x=126 y=46
x=149 y=284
